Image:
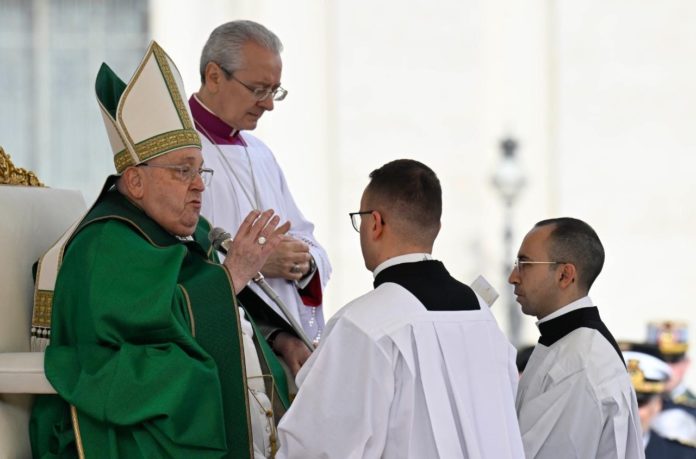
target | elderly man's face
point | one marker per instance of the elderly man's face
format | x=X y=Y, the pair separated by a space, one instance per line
x=168 y=198
x=235 y=102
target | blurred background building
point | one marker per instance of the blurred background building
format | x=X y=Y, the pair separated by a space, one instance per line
x=599 y=95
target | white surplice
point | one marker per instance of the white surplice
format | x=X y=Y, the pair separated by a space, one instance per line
x=230 y=197
x=575 y=400
x=392 y=379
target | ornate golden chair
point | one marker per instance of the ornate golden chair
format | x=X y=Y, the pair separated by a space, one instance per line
x=32 y=218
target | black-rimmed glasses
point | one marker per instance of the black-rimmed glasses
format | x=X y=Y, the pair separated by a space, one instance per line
x=185 y=173
x=355 y=218
x=260 y=94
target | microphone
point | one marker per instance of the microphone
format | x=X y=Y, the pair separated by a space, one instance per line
x=221 y=240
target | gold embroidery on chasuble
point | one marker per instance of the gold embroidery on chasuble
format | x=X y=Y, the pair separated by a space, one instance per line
x=43 y=302
x=190 y=310
x=243 y=358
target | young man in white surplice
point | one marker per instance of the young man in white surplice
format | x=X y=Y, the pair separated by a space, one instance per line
x=575 y=396
x=416 y=368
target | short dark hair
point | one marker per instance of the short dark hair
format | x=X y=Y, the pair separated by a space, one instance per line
x=410 y=193
x=574 y=241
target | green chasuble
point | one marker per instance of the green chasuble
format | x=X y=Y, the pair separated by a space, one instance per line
x=146 y=352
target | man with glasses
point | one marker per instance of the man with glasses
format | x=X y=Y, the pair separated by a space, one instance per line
x=575 y=397
x=240 y=72
x=149 y=352
x=416 y=368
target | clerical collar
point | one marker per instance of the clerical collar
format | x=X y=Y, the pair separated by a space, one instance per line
x=212 y=126
x=584 y=302
x=408 y=258
x=427 y=280
x=584 y=317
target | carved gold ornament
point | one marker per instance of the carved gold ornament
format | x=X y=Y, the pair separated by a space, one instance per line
x=11 y=175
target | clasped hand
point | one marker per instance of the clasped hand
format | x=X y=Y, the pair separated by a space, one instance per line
x=289 y=260
x=292 y=350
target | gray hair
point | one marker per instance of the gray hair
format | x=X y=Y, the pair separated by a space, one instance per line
x=224 y=46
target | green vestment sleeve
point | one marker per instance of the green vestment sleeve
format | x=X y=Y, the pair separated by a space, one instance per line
x=123 y=352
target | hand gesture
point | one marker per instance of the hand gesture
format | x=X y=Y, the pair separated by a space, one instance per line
x=257 y=237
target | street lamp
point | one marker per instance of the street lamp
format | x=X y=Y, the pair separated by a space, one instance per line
x=509 y=181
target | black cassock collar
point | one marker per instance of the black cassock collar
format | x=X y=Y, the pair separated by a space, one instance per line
x=557 y=328
x=429 y=281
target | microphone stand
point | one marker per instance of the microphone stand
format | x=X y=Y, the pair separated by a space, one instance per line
x=219 y=239
x=268 y=290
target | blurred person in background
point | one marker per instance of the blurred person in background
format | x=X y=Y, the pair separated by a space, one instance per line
x=649 y=376
x=668 y=341
x=672 y=339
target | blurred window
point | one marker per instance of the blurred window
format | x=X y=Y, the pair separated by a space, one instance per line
x=50 y=52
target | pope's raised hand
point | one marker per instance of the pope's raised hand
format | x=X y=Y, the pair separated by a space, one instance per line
x=257 y=237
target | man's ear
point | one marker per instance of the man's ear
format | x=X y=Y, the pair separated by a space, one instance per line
x=439 y=227
x=568 y=275
x=377 y=228
x=133 y=180
x=213 y=76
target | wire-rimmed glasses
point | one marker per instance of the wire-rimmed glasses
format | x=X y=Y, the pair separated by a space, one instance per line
x=260 y=94
x=518 y=264
x=185 y=172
